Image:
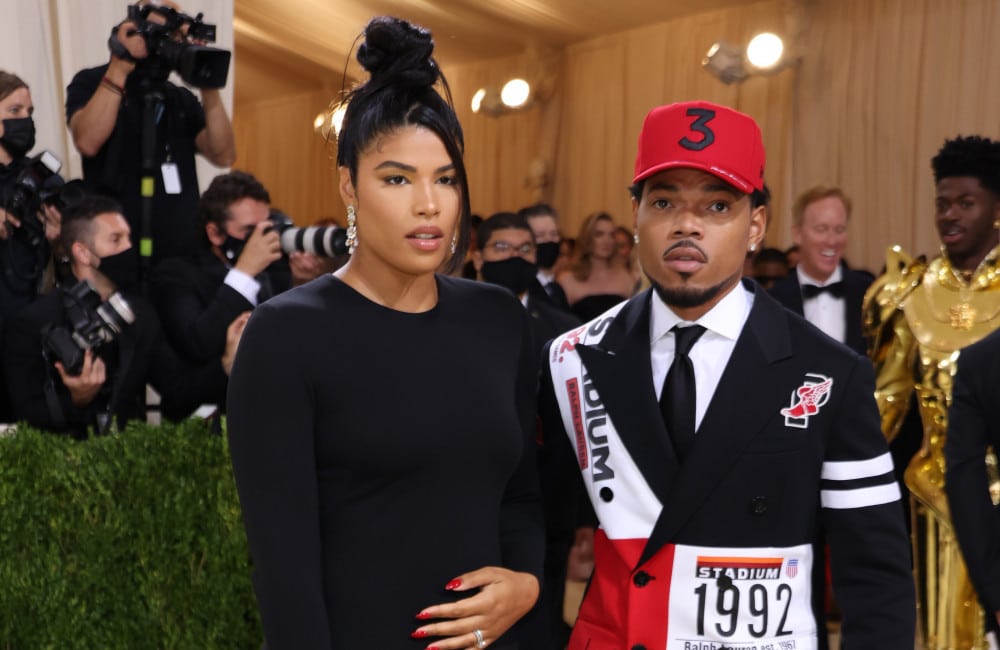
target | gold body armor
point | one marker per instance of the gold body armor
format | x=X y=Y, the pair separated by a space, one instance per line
x=918 y=316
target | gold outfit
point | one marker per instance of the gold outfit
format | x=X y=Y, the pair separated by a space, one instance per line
x=918 y=316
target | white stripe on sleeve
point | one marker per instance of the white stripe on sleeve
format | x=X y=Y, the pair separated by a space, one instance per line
x=860 y=497
x=848 y=470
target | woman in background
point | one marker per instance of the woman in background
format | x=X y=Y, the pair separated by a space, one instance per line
x=596 y=281
x=382 y=418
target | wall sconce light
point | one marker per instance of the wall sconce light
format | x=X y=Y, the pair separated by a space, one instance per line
x=765 y=54
x=515 y=95
x=764 y=51
x=725 y=61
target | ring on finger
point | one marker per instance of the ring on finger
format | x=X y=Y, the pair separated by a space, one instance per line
x=480 y=642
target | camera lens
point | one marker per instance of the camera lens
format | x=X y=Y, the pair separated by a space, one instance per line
x=116 y=313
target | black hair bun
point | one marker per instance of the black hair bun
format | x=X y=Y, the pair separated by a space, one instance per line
x=396 y=52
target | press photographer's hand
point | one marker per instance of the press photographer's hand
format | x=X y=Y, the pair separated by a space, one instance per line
x=262 y=248
x=7 y=222
x=128 y=35
x=304 y=267
x=233 y=334
x=84 y=387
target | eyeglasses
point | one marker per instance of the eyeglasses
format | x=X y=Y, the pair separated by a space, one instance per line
x=505 y=248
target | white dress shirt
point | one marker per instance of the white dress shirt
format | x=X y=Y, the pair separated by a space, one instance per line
x=244 y=284
x=825 y=311
x=710 y=353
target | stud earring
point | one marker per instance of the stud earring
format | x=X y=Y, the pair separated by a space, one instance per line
x=352 y=230
x=454 y=243
x=635 y=236
x=753 y=247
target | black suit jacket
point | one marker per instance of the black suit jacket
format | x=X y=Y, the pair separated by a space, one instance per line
x=788 y=292
x=143 y=356
x=196 y=306
x=547 y=321
x=751 y=479
x=553 y=293
x=973 y=424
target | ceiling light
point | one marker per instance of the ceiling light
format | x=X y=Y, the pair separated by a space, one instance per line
x=515 y=93
x=764 y=50
x=725 y=61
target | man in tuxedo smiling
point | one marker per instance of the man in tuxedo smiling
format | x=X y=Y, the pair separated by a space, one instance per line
x=822 y=288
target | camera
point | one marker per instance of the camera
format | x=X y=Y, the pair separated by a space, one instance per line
x=324 y=241
x=37 y=183
x=92 y=324
x=198 y=65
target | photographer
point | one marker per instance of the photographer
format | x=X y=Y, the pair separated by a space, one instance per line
x=26 y=225
x=105 y=109
x=239 y=264
x=79 y=358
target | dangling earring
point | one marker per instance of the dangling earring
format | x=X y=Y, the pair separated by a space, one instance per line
x=454 y=242
x=635 y=236
x=352 y=230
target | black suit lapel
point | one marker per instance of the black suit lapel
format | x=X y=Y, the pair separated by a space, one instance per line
x=621 y=372
x=743 y=404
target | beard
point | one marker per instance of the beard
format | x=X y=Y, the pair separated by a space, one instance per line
x=684 y=297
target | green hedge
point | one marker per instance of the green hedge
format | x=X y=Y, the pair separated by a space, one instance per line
x=132 y=540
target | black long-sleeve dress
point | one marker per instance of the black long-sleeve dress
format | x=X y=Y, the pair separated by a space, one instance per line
x=379 y=454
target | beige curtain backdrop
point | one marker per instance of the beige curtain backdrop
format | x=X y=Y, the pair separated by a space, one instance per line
x=577 y=150
x=879 y=86
x=882 y=85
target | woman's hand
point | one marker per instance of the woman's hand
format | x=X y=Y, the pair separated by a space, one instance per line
x=504 y=596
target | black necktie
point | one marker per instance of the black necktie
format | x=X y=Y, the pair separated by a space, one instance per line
x=811 y=290
x=677 y=400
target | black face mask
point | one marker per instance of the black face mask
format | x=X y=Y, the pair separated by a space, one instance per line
x=122 y=268
x=547 y=254
x=232 y=248
x=514 y=273
x=18 y=136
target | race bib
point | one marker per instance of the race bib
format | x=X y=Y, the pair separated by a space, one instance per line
x=741 y=599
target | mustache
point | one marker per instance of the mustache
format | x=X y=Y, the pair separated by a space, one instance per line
x=685 y=243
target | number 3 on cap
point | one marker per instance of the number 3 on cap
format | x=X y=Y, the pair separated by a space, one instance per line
x=700 y=125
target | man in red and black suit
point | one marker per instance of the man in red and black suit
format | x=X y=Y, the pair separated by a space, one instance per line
x=722 y=440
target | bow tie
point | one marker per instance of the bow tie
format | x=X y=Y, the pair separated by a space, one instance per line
x=835 y=289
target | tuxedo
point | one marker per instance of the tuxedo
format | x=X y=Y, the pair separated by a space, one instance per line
x=727 y=546
x=138 y=355
x=973 y=424
x=788 y=292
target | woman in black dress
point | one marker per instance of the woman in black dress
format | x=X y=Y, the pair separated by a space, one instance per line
x=381 y=420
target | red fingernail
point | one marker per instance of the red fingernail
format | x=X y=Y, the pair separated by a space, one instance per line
x=454 y=584
x=423 y=615
x=433 y=647
x=418 y=634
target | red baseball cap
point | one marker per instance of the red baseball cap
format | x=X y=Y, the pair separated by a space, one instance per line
x=701 y=135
